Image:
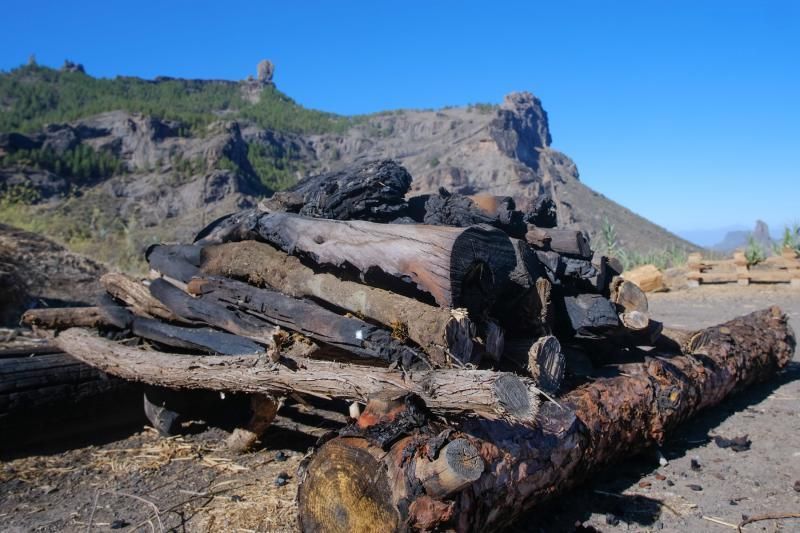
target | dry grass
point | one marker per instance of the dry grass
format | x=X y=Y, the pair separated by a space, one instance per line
x=183 y=482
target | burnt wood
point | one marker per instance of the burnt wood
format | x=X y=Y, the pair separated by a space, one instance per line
x=351 y=334
x=352 y=480
x=373 y=191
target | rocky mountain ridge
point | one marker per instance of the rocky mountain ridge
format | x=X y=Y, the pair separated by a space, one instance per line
x=169 y=179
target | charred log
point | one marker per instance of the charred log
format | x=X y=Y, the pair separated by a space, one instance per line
x=521 y=467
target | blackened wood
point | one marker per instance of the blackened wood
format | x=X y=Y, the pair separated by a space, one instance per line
x=51 y=396
x=561 y=240
x=459 y=267
x=567 y=270
x=212 y=313
x=590 y=315
x=235 y=227
x=203 y=339
x=351 y=334
x=603 y=421
x=437 y=331
x=450 y=209
x=373 y=191
x=177 y=261
x=543 y=213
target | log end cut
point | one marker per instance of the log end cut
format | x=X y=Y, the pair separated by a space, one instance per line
x=346 y=490
x=516 y=401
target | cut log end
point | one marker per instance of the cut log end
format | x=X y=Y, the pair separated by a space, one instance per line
x=516 y=401
x=459 y=464
x=345 y=489
x=546 y=363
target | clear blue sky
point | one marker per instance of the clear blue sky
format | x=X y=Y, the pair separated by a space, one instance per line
x=686 y=112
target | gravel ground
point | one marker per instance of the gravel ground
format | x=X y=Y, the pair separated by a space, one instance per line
x=206 y=489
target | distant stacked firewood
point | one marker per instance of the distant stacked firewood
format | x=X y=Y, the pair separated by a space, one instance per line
x=341 y=287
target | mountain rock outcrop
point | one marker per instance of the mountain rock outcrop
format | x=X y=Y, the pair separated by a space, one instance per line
x=138 y=171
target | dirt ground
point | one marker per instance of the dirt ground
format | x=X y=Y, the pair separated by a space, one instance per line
x=138 y=481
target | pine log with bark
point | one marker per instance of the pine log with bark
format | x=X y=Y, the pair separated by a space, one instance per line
x=458 y=267
x=495 y=395
x=352 y=482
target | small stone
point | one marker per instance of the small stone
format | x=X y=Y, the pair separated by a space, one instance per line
x=670 y=483
x=236 y=498
x=282 y=479
x=280 y=456
x=694 y=487
x=119 y=523
x=733 y=502
x=696 y=466
x=644 y=484
x=797 y=485
x=661 y=459
x=661 y=477
x=611 y=519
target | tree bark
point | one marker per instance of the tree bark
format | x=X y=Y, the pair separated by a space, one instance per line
x=495 y=395
x=604 y=421
x=458 y=267
x=435 y=329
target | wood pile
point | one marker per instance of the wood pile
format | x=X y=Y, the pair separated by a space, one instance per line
x=466 y=327
x=783 y=268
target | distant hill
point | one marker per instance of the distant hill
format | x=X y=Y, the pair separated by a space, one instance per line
x=114 y=164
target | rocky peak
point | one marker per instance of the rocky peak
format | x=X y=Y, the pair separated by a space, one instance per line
x=265 y=71
x=520 y=127
x=69 y=66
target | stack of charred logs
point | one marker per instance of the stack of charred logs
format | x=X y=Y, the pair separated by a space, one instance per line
x=456 y=319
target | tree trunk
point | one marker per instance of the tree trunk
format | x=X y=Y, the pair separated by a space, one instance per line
x=458 y=267
x=495 y=395
x=352 y=483
x=259 y=264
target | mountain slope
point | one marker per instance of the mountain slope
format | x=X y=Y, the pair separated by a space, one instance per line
x=109 y=166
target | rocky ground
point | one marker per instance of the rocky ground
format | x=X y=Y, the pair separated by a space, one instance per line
x=119 y=481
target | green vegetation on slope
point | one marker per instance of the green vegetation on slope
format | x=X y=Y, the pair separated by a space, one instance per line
x=32 y=95
x=81 y=163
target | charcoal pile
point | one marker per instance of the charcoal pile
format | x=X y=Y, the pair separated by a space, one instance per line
x=497 y=359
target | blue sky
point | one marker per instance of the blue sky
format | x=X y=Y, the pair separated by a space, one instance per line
x=685 y=112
